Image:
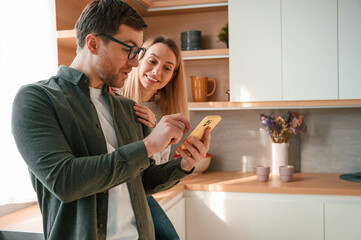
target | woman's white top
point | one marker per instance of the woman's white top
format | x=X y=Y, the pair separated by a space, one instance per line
x=162 y=156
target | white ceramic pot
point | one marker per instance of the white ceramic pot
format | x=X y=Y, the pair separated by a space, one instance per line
x=279 y=157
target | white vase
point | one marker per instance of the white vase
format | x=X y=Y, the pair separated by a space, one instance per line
x=279 y=157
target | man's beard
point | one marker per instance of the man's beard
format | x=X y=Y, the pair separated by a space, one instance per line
x=107 y=74
x=108 y=78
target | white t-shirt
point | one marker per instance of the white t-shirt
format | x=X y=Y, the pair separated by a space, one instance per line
x=121 y=219
x=162 y=156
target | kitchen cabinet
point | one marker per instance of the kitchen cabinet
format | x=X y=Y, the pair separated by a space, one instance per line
x=342 y=220
x=224 y=215
x=349 y=17
x=175 y=210
x=258 y=216
x=309 y=49
x=287 y=51
x=255 y=50
x=283 y=50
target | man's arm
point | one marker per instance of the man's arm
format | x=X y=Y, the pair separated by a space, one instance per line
x=161 y=177
x=44 y=147
x=169 y=131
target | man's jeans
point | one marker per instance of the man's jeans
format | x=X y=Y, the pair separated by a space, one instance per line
x=164 y=229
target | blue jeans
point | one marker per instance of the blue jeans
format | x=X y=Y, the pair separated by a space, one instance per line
x=164 y=229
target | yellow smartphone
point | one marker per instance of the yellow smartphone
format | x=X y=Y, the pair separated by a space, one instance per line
x=209 y=121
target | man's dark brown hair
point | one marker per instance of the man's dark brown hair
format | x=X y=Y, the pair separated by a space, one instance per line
x=105 y=17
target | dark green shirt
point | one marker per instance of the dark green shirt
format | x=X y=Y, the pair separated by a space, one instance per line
x=58 y=133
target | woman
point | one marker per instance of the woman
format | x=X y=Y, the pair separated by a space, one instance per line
x=158 y=83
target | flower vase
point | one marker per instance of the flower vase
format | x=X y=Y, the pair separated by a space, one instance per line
x=279 y=157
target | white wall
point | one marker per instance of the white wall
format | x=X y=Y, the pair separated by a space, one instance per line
x=27 y=54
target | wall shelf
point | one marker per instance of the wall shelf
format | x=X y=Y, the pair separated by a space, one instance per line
x=205 y=54
x=201 y=106
x=66 y=38
x=165 y=7
x=150 y=4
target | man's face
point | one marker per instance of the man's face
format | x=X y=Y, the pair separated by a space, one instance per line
x=112 y=64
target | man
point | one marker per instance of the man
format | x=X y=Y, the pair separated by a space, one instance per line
x=87 y=158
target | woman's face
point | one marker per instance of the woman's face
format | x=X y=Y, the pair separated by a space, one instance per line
x=157 y=67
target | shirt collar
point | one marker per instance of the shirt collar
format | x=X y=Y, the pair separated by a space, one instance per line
x=72 y=75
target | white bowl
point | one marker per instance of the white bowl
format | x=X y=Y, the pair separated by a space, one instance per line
x=202 y=165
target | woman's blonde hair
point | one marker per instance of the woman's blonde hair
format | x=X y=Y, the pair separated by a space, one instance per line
x=172 y=97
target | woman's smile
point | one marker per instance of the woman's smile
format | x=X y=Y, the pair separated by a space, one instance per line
x=152 y=79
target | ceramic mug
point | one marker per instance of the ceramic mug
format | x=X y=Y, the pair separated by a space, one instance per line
x=262 y=173
x=200 y=88
x=286 y=173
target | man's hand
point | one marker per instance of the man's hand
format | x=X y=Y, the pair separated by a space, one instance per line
x=169 y=130
x=196 y=150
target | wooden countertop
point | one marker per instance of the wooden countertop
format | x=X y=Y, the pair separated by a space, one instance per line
x=29 y=219
x=303 y=183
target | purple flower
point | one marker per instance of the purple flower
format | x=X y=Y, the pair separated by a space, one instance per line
x=280 y=130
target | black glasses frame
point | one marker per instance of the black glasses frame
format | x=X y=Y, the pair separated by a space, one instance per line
x=133 y=50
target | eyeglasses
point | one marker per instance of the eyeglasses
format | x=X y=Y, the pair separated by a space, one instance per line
x=133 y=50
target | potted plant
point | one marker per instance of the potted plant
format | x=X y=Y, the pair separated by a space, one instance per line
x=281 y=131
x=223 y=34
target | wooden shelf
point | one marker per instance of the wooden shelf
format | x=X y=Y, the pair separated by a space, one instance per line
x=66 y=38
x=205 y=54
x=165 y=7
x=178 y=3
x=66 y=47
x=194 y=106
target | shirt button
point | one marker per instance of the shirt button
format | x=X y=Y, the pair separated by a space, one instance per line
x=98 y=125
x=100 y=225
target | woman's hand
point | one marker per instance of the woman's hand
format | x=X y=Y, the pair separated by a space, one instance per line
x=112 y=90
x=146 y=116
